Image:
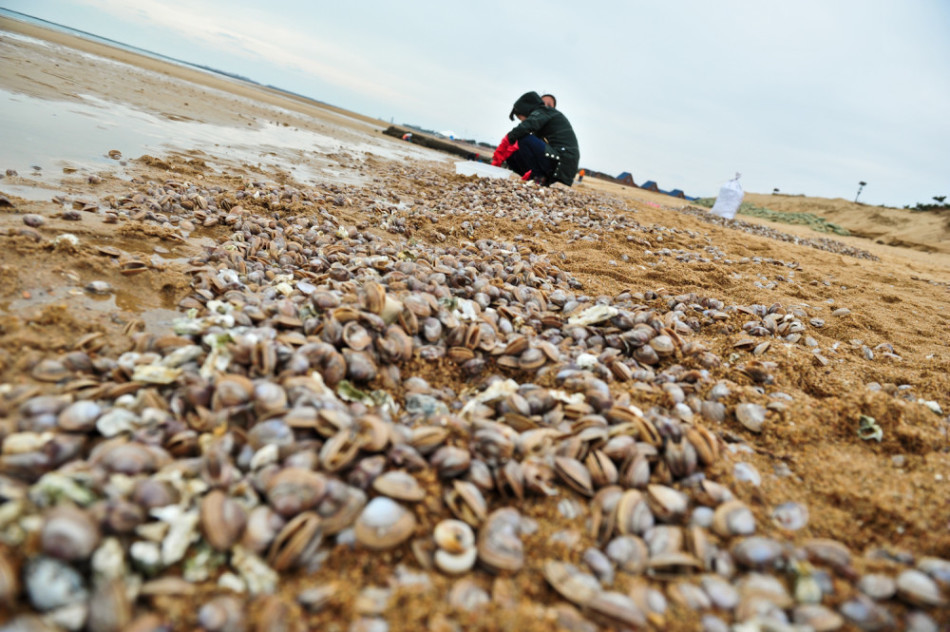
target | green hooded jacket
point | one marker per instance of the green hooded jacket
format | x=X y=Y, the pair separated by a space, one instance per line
x=551 y=126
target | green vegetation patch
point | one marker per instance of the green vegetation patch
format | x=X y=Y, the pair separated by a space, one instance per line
x=806 y=219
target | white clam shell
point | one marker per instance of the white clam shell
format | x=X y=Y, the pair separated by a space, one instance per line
x=454 y=564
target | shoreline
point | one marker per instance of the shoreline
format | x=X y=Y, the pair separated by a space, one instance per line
x=233 y=85
x=935 y=252
x=932 y=240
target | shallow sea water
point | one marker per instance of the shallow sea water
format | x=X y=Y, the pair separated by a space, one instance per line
x=42 y=137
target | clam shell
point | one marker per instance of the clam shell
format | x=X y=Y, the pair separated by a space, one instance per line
x=936 y=567
x=752 y=416
x=399 y=485
x=790 y=516
x=817 y=617
x=293 y=490
x=225 y=612
x=617 y=608
x=9 y=581
x=877 y=586
x=671 y=565
x=757 y=552
x=570 y=582
x=109 y=607
x=633 y=513
x=296 y=543
x=666 y=503
x=69 y=533
x=499 y=543
x=918 y=589
x=466 y=502
x=263 y=525
x=705 y=444
x=574 y=474
x=629 y=553
x=733 y=517
x=455 y=563
x=663 y=539
x=830 y=552
x=384 y=524
x=454 y=536
x=222 y=520
x=866 y=614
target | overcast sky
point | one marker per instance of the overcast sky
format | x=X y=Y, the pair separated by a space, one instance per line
x=809 y=96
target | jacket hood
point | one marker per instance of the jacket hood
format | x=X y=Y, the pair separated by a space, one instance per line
x=526 y=104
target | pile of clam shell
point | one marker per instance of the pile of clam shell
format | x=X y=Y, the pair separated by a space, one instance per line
x=333 y=390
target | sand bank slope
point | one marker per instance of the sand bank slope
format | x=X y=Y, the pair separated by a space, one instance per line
x=929 y=232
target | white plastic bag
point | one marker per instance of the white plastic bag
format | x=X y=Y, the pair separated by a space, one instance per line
x=472 y=168
x=730 y=197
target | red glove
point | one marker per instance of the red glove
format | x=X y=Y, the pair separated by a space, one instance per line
x=504 y=150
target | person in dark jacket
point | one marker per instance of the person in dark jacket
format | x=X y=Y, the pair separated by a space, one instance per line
x=542 y=147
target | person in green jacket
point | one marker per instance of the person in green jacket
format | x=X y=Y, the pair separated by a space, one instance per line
x=542 y=147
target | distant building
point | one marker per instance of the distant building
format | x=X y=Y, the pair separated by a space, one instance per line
x=650 y=185
x=626 y=178
x=676 y=193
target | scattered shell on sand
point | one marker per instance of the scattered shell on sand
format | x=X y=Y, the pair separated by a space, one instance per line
x=286 y=423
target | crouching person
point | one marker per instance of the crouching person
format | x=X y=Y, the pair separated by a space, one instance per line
x=542 y=147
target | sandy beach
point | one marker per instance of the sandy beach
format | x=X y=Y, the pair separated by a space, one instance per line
x=817 y=365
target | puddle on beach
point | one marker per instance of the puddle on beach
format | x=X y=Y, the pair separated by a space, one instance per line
x=42 y=139
x=53 y=135
x=27 y=192
x=121 y=305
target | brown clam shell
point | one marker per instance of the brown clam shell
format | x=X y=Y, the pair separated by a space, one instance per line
x=296 y=542
x=222 y=520
x=499 y=546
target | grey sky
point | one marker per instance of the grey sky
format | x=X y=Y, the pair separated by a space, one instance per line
x=808 y=96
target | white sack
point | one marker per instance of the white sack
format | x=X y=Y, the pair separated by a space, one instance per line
x=730 y=197
x=472 y=168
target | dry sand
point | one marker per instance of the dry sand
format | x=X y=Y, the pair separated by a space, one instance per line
x=927 y=232
x=893 y=495
x=891 y=233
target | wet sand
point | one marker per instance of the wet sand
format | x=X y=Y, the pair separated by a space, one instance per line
x=872 y=496
x=59 y=82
